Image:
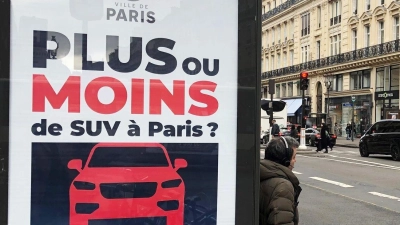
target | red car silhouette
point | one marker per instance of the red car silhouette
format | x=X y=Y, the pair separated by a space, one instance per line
x=127 y=181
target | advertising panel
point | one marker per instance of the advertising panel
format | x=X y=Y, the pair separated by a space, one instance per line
x=123 y=112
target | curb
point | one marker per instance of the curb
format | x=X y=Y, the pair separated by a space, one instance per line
x=346 y=146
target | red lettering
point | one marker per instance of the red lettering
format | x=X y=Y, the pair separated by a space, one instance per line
x=43 y=90
x=137 y=99
x=175 y=101
x=92 y=95
x=210 y=101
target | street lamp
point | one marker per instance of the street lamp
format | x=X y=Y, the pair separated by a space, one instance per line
x=328 y=78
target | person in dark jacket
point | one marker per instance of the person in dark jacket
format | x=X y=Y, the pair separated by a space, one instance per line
x=293 y=132
x=275 y=129
x=324 y=141
x=279 y=187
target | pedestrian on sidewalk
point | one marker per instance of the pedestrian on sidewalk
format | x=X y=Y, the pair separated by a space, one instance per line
x=279 y=187
x=324 y=141
x=275 y=129
x=348 y=131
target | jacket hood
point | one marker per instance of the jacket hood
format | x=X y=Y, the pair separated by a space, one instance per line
x=270 y=169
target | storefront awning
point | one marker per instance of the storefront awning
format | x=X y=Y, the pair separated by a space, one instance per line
x=292 y=106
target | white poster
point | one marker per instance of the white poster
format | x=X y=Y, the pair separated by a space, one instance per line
x=123 y=112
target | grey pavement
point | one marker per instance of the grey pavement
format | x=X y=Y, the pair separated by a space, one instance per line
x=342 y=187
x=342 y=142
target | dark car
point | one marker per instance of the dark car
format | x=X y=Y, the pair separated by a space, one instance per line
x=313 y=136
x=383 y=137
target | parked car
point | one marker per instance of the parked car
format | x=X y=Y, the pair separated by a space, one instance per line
x=313 y=137
x=264 y=137
x=383 y=137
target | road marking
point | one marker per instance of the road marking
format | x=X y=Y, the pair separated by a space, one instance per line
x=384 y=196
x=355 y=199
x=296 y=172
x=364 y=161
x=331 y=182
x=355 y=163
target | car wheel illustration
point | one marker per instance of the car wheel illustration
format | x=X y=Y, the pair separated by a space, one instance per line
x=395 y=152
x=363 y=150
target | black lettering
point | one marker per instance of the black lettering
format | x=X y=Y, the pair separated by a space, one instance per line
x=113 y=48
x=39 y=129
x=54 y=129
x=121 y=15
x=185 y=66
x=40 y=51
x=81 y=56
x=197 y=132
x=133 y=14
x=150 y=17
x=155 y=127
x=76 y=126
x=113 y=130
x=206 y=68
x=152 y=50
x=89 y=128
x=188 y=128
x=111 y=12
x=169 y=131
x=181 y=128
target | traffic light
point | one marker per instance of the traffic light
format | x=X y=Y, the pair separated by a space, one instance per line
x=304 y=80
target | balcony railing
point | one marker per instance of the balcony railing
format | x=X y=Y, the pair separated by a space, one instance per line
x=282 y=7
x=364 y=53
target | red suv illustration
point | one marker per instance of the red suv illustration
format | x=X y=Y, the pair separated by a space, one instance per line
x=127 y=182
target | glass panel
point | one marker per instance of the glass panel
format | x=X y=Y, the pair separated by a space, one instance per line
x=380 y=77
x=366 y=79
x=394 y=80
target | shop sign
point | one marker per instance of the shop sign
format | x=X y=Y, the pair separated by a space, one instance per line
x=387 y=95
x=125 y=115
x=347 y=104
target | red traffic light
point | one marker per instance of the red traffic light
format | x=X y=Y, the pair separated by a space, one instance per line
x=304 y=75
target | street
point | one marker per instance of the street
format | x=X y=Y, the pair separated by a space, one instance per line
x=341 y=187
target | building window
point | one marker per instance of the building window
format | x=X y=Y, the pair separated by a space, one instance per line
x=304 y=53
x=284 y=59
x=319 y=16
x=273 y=36
x=318 y=49
x=278 y=61
x=360 y=80
x=335 y=44
x=278 y=34
x=298 y=88
x=381 y=32
x=354 y=39
x=291 y=57
x=355 y=3
x=338 y=83
x=382 y=2
x=387 y=78
x=367 y=36
x=396 y=28
x=290 y=89
x=266 y=64
x=283 y=90
x=292 y=28
x=336 y=10
x=277 y=90
x=367 y=5
x=285 y=30
x=272 y=62
x=305 y=24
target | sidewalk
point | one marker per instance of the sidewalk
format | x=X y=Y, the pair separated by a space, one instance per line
x=342 y=142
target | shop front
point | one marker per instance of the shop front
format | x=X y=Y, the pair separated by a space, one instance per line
x=387 y=105
x=342 y=110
